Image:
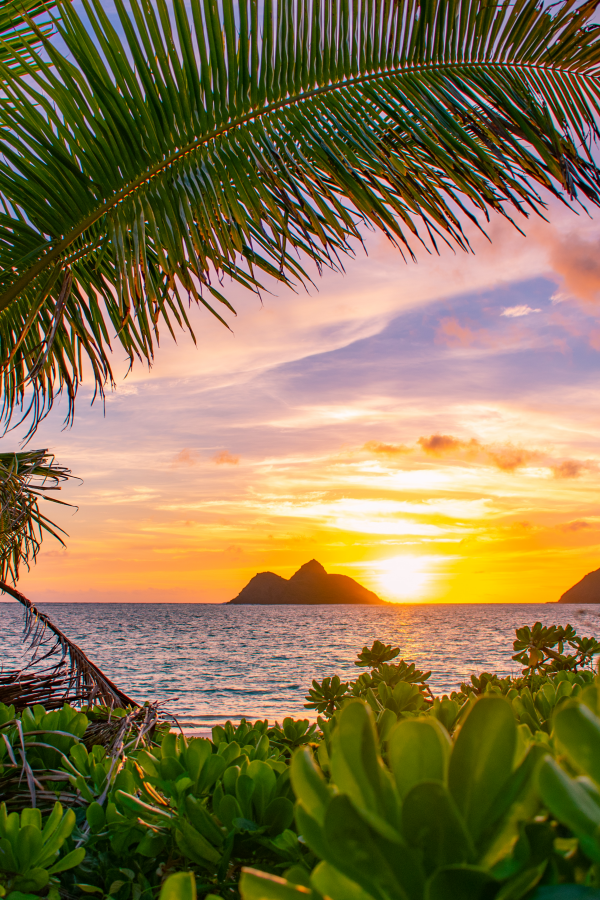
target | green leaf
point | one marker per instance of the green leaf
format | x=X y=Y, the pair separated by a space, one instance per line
x=95 y=816
x=570 y=803
x=181 y=886
x=363 y=855
x=278 y=815
x=202 y=821
x=69 y=861
x=482 y=759
x=34 y=879
x=29 y=845
x=418 y=750
x=356 y=766
x=578 y=730
x=460 y=883
x=431 y=822
x=330 y=882
x=197 y=753
x=261 y=886
x=309 y=784
x=194 y=846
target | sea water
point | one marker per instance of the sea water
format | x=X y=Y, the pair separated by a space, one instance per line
x=217 y=662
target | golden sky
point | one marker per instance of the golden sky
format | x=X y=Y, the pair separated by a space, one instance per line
x=431 y=430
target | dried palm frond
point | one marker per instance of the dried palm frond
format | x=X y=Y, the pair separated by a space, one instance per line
x=25 y=478
x=73 y=678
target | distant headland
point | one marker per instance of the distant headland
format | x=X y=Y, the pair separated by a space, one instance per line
x=309 y=586
x=585 y=591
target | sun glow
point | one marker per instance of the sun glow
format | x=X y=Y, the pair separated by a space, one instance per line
x=406 y=578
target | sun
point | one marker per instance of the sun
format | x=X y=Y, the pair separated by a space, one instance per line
x=406 y=577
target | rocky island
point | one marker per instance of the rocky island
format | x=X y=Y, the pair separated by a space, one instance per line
x=310 y=585
x=585 y=591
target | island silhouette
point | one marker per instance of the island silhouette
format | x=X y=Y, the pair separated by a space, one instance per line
x=310 y=585
x=585 y=591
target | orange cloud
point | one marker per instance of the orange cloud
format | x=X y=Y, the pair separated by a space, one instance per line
x=577 y=261
x=453 y=334
x=386 y=449
x=570 y=468
x=441 y=444
x=185 y=457
x=224 y=458
x=508 y=458
x=578 y=525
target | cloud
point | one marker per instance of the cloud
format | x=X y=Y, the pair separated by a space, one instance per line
x=569 y=468
x=578 y=525
x=224 y=458
x=453 y=334
x=444 y=444
x=577 y=261
x=505 y=457
x=509 y=457
x=514 y=312
x=386 y=449
x=185 y=457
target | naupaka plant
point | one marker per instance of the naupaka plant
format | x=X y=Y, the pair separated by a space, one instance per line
x=157 y=155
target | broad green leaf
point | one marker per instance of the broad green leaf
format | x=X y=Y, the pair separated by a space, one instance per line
x=578 y=730
x=517 y=802
x=460 y=883
x=202 y=820
x=570 y=803
x=197 y=753
x=264 y=780
x=418 y=750
x=431 y=822
x=365 y=856
x=261 y=886
x=481 y=760
x=229 y=809
x=356 y=767
x=68 y=861
x=278 y=815
x=330 y=882
x=181 y=886
x=95 y=816
x=309 y=785
x=29 y=845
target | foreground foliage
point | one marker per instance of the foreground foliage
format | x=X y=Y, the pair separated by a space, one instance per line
x=490 y=793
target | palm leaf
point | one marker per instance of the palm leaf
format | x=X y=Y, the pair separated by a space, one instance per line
x=25 y=479
x=237 y=141
x=18 y=34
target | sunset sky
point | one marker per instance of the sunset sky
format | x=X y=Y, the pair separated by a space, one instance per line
x=430 y=429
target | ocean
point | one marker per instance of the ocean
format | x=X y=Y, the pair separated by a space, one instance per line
x=217 y=662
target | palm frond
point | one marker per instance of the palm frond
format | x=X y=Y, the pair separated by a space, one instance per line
x=58 y=672
x=240 y=140
x=25 y=479
x=19 y=34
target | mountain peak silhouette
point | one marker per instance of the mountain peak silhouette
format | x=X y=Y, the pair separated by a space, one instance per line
x=310 y=585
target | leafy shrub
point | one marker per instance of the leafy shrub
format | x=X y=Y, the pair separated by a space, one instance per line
x=491 y=792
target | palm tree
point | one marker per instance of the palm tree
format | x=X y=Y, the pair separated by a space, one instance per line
x=213 y=141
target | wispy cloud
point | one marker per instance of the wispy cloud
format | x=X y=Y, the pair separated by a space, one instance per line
x=225 y=458
x=515 y=312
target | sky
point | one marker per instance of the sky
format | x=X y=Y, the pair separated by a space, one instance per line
x=430 y=429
